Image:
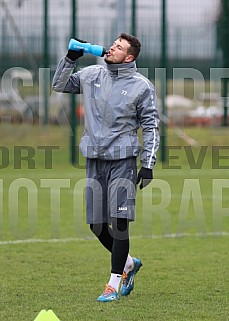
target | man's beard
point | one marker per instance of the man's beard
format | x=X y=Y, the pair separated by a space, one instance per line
x=108 y=62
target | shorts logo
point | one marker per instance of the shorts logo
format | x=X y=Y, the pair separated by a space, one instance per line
x=122 y=208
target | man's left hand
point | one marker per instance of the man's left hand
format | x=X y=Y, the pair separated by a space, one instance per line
x=145 y=176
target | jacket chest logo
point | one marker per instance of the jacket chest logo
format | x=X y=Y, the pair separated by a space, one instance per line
x=123 y=92
x=97 y=85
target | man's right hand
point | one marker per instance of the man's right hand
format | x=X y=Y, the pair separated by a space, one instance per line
x=73 y=54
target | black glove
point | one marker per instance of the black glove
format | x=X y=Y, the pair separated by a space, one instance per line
x=145 y=175
x=73 y=54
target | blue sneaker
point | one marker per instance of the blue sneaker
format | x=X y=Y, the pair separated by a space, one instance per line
x=108 y=295
x=128 y=278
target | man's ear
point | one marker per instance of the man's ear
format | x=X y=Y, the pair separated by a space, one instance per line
x=129 y=58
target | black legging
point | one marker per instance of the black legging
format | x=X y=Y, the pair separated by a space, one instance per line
x=115 y=240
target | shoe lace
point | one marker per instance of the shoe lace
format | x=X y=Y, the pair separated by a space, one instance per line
x=124 y=275
x=108 y=289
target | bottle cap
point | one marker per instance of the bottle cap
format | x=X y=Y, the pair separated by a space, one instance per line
x=104 y=52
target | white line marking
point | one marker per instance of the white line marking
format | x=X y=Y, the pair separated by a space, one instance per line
x=67 y=240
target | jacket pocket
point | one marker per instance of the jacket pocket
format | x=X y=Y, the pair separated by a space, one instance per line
x=129 y=145
x=86 y=147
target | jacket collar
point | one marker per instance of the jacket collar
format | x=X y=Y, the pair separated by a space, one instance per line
x=122 y=70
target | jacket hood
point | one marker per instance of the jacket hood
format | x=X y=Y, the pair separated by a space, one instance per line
x=123 y=69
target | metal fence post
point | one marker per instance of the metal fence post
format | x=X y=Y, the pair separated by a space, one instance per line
x=133 y=18
x=46 y=82
x=225 y=33
x=73 y=121
x=163 y=80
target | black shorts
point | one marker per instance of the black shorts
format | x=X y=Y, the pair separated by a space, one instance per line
x=110 y=189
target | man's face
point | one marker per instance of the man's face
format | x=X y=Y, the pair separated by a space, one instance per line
x=118 y=52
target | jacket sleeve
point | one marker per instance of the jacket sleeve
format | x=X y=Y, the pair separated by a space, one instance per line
x=64 y=80
x=149 y=122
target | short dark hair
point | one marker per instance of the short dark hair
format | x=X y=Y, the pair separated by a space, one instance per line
x=135 y=45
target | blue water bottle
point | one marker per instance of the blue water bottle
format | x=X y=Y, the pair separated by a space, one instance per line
x=95 y=50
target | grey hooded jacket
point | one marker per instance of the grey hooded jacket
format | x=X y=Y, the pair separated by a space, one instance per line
x=117 y=101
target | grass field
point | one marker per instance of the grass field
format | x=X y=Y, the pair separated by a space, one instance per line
x=49 y=259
